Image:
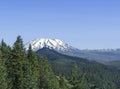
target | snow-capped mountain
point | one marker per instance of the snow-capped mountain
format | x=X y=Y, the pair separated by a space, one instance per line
x=54 y=44
x=101 y=55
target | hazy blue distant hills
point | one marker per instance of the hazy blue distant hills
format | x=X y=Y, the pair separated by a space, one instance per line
x=103 y=55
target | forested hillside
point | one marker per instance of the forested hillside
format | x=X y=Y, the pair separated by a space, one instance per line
x=104 y=77
x=113 y=63
x=20 y=69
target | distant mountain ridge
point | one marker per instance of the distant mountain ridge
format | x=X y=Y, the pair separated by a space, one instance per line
x=102 y=55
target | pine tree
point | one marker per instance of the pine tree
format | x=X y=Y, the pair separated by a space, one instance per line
x=47 y=78
x=5 y=56
x=77 y=81
x=17 y=66
x=82 y=84
x=34 y=73
x=3 y=73
x=74 y=75
x=5 y=49
x=63 y=83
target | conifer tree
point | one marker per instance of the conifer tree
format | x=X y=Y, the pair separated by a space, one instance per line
x=63 y=83
x=5 y=57
x=18 y=65
x=78 y=80
x=74 y=75
x=34 y=73
x=3 y=73
x=5 y=50
x=47 y=78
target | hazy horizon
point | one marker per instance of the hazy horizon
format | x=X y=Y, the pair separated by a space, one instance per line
x=87 y=24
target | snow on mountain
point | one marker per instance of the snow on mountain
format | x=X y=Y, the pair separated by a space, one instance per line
x=61 y=47
x=54 y=44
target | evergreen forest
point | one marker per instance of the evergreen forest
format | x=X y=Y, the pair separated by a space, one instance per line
x=21 y=69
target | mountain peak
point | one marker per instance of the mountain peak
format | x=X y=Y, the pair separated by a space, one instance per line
x=40 y=43
x=61 y=47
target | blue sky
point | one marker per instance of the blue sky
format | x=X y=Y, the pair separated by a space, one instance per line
x=81 y=23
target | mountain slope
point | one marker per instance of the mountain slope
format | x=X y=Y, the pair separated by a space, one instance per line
x=113 y=63
x=58 y=57
x=95 y=73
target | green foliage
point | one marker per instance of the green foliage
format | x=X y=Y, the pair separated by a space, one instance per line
x=89 y=72
x=64 y=83
x=24 y=70
x=34 y=69
x=3 y=73
x=113 y=63
x=47 y=78
x=17 y=66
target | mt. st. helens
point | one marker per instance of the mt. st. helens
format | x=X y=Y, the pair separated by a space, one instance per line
x=103 y=55
x=54 y=44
